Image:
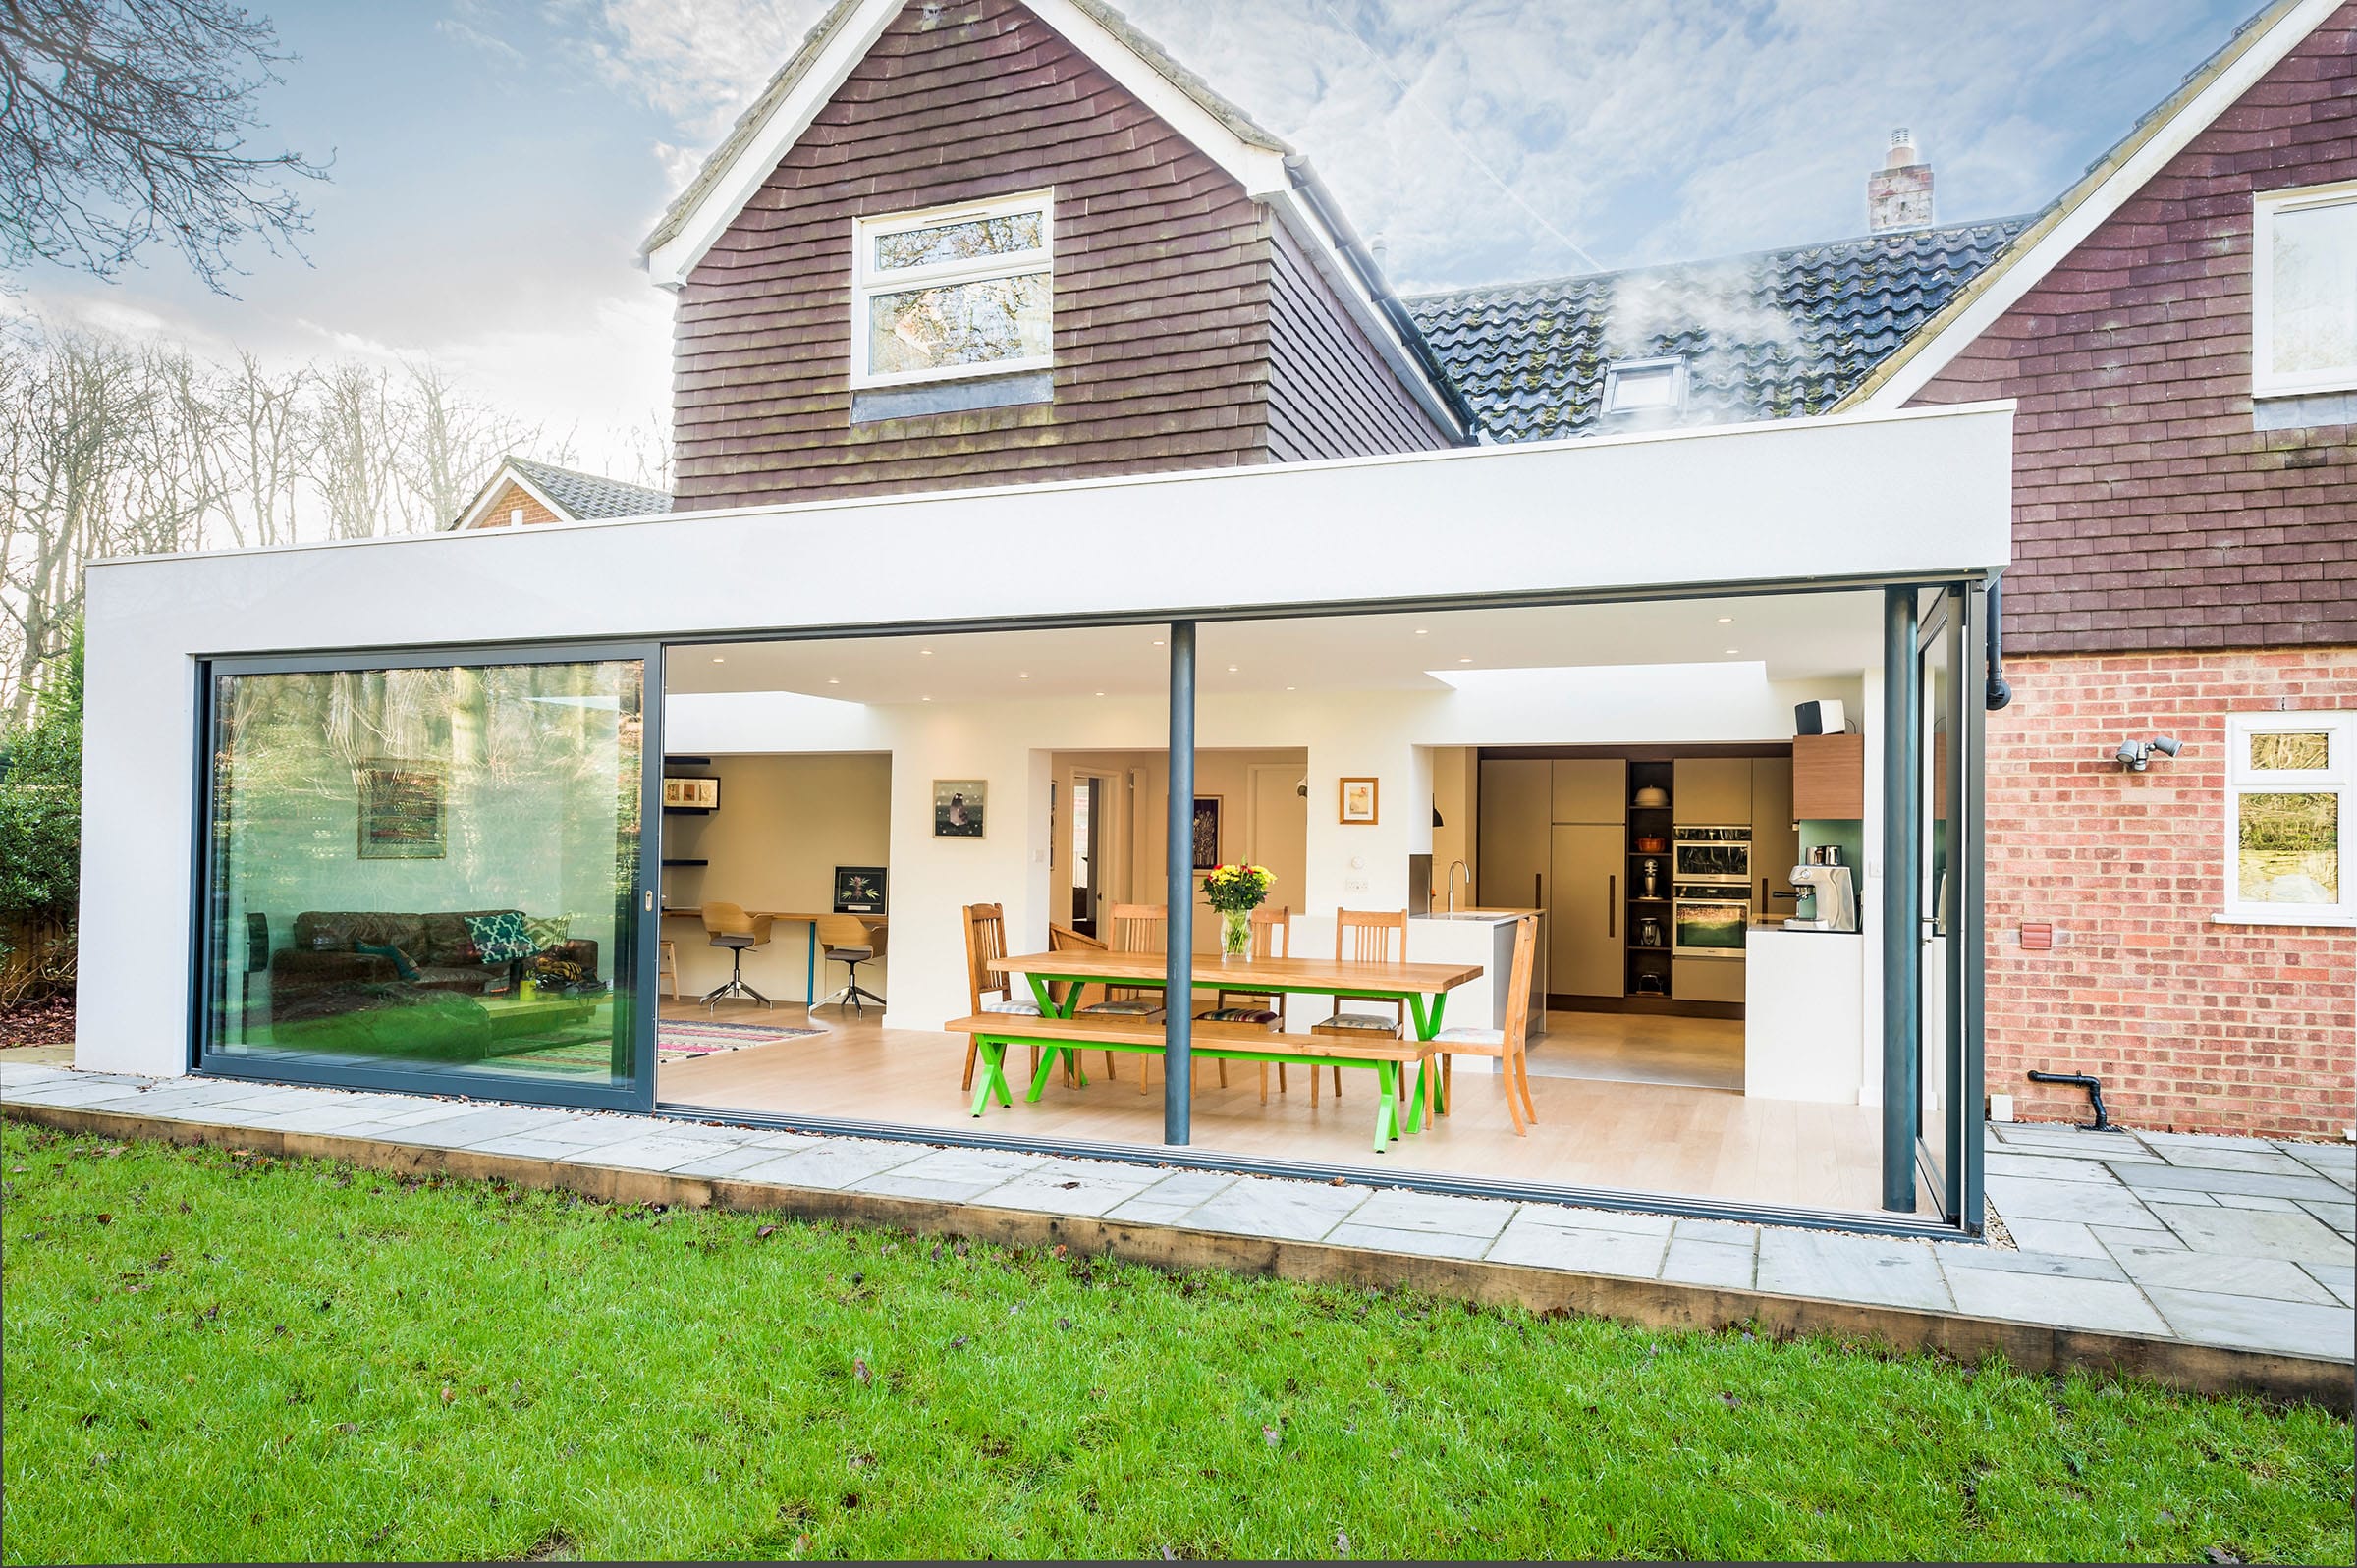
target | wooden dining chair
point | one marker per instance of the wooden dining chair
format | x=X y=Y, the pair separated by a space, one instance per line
x=1270 y=939
x=1365 y=936
x=990 y=991
x=1506 y=1044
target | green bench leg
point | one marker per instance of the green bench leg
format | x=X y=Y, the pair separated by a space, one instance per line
x=994 y=1077
x=1387 y=1110
x=1418 y=1101
x=1039 y=1079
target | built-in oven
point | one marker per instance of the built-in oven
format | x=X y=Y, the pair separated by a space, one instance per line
x=1707 y=920
x=1709 y=854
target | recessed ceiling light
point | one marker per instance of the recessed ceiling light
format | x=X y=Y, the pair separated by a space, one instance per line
x=718 y=660
x=1421 y=632
x=1727 y=620
x=1100 y=693
x=1289 y=688
x=833 y=682
x=1157 y=642
x=1465 y=659
x=1231 y=669
x=924 y=699
x=927 y=652
x=1734 y=650
x=1023 y=674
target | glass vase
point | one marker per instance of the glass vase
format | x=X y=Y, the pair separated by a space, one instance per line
x=1236 y=934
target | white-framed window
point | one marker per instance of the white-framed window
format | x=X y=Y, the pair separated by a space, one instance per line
x=2304 y=290
x=953 y=292
x=2291 y=833
x=1632 y=385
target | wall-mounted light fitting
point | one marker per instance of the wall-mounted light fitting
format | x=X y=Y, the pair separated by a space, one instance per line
x=2135 y=755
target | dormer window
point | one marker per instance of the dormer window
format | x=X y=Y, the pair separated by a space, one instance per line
x=1632 y=386
x=952 y=293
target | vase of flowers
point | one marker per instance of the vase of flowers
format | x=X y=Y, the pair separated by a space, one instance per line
x=1235 y=891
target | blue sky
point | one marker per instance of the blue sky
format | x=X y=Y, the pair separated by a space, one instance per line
x=497 y=161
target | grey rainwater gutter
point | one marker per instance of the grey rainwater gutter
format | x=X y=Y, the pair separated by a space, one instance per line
x=1323 y=207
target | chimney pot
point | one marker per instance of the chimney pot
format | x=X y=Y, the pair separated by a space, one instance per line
x=1899 y=195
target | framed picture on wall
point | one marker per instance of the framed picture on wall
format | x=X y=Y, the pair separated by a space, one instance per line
x=401 y=810
x=859 y=889
x=1358 y=801
x=1207 y=833
x=958 y=808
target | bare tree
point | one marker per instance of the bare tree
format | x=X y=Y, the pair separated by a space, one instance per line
x=448 y=441
x=266 y=451
x=123 y=122
x=355 y=430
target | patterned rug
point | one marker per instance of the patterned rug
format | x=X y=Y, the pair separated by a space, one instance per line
x=685 y=1039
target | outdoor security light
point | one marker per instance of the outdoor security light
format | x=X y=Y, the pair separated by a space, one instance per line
x=2136 y=755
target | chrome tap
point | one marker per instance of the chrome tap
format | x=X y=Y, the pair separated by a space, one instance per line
x=1452 y=868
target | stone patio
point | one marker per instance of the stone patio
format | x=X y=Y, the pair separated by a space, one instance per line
x=2225 y=1242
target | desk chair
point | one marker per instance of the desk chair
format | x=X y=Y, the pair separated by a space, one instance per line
x=730 y=926
x=1364 y=937
x=850 y=941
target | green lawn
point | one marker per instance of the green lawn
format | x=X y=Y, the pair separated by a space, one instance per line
x=211 y=1356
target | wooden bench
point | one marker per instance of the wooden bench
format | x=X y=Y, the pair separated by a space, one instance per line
x=1066 y=1037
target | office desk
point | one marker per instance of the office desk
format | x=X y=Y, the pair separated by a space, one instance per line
x=695 y=914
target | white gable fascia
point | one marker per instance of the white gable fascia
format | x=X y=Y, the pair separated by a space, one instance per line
x=1259 y=170
x=1352 y=289
x=1935 y=352
x=506 y=475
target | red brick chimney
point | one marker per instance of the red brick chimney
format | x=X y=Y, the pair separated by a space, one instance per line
x=1899 y=195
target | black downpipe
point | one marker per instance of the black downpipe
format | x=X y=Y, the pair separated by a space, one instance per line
x=2001 y=690
x=2095 y=1096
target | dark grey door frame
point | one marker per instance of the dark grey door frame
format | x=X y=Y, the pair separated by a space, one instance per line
x=1179 y=897
x=1902 y=967
x=639 y=924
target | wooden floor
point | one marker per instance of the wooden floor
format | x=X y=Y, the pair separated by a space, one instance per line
x=1683 y=1140
x=1641 y=1048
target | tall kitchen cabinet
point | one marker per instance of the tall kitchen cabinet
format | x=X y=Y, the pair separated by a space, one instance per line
x=1709 y=793
x=1553 y=835
x=1775 y=837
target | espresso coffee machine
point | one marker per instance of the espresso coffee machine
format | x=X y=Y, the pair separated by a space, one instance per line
x=1834 y=899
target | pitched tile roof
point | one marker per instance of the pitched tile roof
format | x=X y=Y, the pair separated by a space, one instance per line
x=1764 y=336
x=589 y=494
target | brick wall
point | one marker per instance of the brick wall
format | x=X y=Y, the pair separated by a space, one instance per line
x=510 y=497
x=2190 y=1024
x=2148 y=512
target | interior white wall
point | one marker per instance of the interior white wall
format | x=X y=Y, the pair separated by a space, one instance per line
x=1784 y=502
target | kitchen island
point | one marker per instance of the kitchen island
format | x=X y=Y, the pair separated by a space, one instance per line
x=1804 y=1014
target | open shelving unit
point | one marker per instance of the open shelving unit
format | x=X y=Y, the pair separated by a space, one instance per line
x=1649 y=972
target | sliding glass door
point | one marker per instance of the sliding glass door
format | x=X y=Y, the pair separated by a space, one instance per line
x=1948 y=870
x=427 y=872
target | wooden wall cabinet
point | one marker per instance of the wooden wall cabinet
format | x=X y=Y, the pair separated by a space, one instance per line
x=1828 y=777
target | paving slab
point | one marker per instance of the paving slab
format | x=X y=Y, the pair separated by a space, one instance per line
x=1892 y=1274
x=1636 y=1225
x=2039 y=1166
x=2157 y=1180
x=659 y=1152
x=2271 y=1278
x=2256 y=1324
x=2164 y=1141
x=2244 y=1200
x=1397 y=1209
x=2341 y=1216
x=2106 y=1306
x=478 y=1125
x=2266 y=1160
x=1955 y=1256
x=2249 y=1233
x=1529 y=1240
x=2078 y=1201
x=2046 y=1137
x=2340 y=1280
x=952 y=1175
x=1061 y=1189
x=1723 y=1232
x=832 y=1164
x=1426 y=1243
x=2057 y=1236
x=1290 y=1209
x=1709 y=1263
x=726 y=1162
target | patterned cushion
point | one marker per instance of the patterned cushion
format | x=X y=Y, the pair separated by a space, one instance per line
x=1470 y=1037
x=1008 y=1005
x=1258 y=1016
x=1133 y=1007
x=1361 y=1020
x=547 y=932
x=499 y=937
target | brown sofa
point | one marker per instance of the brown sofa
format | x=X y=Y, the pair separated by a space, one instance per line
x=320 y=972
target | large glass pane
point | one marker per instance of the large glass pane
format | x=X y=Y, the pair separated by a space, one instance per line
x=427 y=870
x=958 y=324
x=2315 y=289
x=2288 y=847
x=1941 y=835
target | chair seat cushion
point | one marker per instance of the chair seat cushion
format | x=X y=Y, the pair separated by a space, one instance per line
x=1132 y=1007
x=851 y=954
x=1258 y=1016
x=1469 y=1036
x=1359 y=1020
x=1008 y=1004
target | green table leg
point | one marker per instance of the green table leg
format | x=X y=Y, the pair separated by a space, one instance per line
x=1427 y=1012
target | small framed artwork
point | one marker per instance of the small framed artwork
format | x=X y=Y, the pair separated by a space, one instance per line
x=1207 y=833
x=859 y=889
x=690 y=794
x=401 y=811
x=958 y=808
x=1358 y=801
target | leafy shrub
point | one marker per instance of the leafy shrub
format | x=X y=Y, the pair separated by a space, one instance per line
x=41 y=835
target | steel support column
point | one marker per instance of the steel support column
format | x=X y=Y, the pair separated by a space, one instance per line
x=1179 y=975
x=1902 y=912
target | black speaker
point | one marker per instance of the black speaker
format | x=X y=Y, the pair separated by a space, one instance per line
x=1823 y=717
